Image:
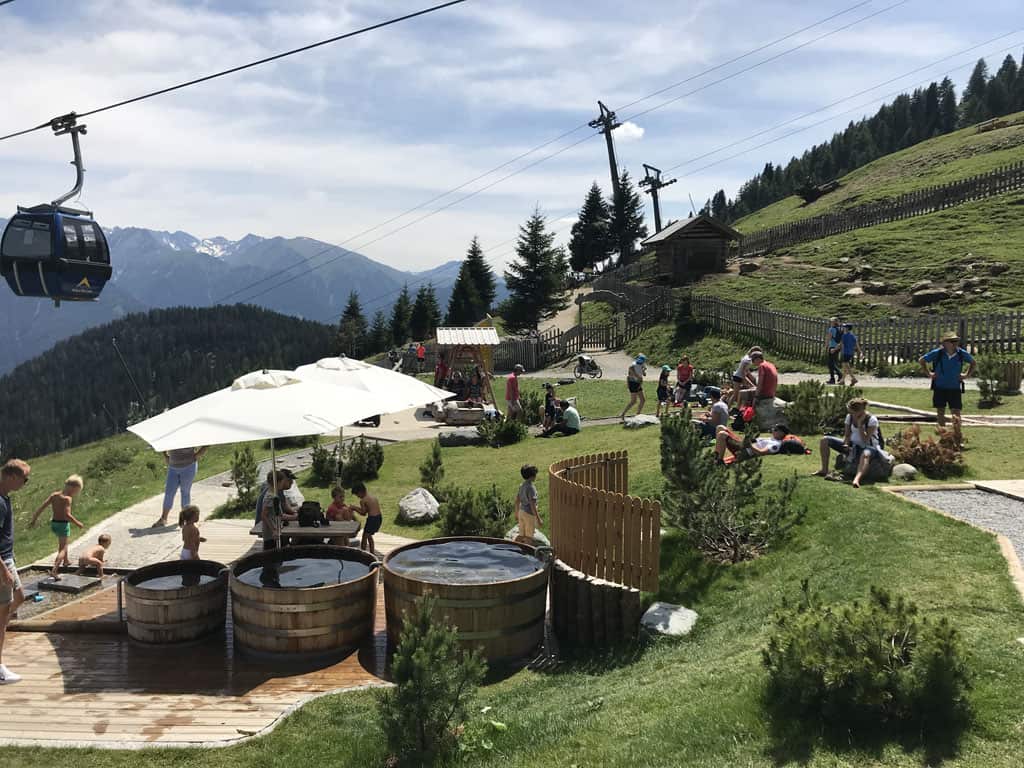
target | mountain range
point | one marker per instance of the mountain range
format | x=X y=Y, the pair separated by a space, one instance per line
x=153 y=269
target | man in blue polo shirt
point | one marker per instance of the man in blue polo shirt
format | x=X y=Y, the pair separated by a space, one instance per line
x=947 y=375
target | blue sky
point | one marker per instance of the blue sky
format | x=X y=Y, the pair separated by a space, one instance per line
x=332 y=142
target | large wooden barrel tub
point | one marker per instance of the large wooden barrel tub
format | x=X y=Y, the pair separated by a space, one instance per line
x=176 y=602
x=303 y=602
x=491 y=590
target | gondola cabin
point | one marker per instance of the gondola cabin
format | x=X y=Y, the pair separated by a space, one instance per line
x=56 y=253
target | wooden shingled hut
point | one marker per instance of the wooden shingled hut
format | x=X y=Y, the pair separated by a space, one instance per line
x=691 y=247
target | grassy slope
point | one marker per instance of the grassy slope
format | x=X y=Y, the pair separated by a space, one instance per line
x=695 y=702
x=103 y=494
x=944 y=159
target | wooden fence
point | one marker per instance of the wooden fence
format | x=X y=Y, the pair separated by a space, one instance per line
x=592 y=613
x=918 y=203
x=597 y=528
x=888 y=340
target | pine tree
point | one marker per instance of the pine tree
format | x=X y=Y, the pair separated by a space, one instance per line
x=1008 y=73
x=400 y=318
x=591 y=242
x=720 y=206
x=997 y=98
x=536 y=279
x=380 y=333
x=426 y=314
x=351 y=338
x=464 y=303
x=482 y=277
x=627 y=222
x=1018 y=89
x=947 y=106
x=973 y=108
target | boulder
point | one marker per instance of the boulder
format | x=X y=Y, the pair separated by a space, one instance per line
x=638 y=422
x=998 y=268
x=921 y=285
x=969 y=282
x=417 y=506
x=876 y=288
x=539 y=539
x=746 y=267
x=928 y=296
x=904 y=472
x=770 y=412
x=668 y=619
x=844 y=260
x=855 y=291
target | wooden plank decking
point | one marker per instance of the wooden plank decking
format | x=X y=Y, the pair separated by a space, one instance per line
x=102 y=689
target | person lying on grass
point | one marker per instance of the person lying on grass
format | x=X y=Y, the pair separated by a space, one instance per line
x=860 y=442
x=726 y=439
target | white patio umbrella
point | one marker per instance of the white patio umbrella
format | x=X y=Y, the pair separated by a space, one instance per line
x=396 y=391
x=258 y=406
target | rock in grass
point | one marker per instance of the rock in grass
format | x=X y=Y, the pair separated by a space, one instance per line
x=928 y=296
x=904 y=472
x=668 y=619
x=417 y=506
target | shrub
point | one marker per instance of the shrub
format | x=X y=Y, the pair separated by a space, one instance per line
x=465 y=512
x=325 y=463
x=361 y=460
x=301 y=441
x=935 y=457
x=244 y=471
x=108 y=461
x=499 y=432
x=990 y=371
x=814 y=408
x=866 y=665
x=722 y=509
x=434 y=683
x=533 y=406
x=432 y=468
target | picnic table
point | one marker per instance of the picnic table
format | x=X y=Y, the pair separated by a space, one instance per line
x=340 y=529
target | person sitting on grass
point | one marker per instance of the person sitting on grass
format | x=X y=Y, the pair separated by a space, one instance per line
x=527 y=508
x=61 y=519
x=726 y=439
x=663 y=393
x=95 y=556
x=369 y=506
x=570 y=423
x=742 y=379
x=860 y=443
x=716 y=416
x=550 y=406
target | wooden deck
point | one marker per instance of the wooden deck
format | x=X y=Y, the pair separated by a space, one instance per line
x=86 y=683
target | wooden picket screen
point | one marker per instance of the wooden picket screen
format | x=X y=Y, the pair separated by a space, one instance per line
x=890 y=340
x=597 y=528
x=917 y=203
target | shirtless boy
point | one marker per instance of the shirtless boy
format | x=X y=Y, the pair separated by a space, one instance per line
x=95 y=555
x=369 y=506
x=61 y=519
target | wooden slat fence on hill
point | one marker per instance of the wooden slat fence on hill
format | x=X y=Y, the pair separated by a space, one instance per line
x=597 y=528
x=887 y=340
x=918 y=203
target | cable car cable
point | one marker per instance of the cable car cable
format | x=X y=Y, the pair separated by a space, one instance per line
x=250 y=65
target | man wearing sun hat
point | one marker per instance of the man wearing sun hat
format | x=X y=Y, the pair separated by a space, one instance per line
x=947 y=376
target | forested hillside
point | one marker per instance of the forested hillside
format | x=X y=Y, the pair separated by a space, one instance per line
x=78 y=391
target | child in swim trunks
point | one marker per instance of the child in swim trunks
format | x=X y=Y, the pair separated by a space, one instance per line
x=61 y=519
x=370 y=507
x=95 y=555
x=190 y=538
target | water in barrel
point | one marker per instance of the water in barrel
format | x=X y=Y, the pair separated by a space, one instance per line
x=304 y=572
x=464 y=562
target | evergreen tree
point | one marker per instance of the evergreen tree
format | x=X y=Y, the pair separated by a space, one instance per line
x=720 y=206
x=997 y=98
x=351 y=338
x=380 y=333
x=591 y=242
x=1017 y=95
x=482 y=277
x=1008 y=73
x=627 y=222
x=400 y=314
x=536 y=279
x=947 y=106
x=464 y=303
x=426 y=314
x=973 y=107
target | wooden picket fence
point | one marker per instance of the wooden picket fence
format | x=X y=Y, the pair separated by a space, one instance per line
x=883 y=341
x=918 y=203
x=597 y=528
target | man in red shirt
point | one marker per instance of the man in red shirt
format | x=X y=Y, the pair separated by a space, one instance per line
x=513 y=408
x=421 y=356
x=767 y=377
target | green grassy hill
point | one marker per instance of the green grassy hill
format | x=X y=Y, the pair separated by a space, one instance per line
x=945 y=247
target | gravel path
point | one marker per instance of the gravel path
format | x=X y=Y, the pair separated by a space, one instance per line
x=991 y=511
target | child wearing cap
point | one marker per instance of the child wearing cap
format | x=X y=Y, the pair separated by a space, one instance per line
x=635 y=383
x=664 y=398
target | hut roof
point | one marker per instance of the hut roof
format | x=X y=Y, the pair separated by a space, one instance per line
x=691 y=223
x=468 y=337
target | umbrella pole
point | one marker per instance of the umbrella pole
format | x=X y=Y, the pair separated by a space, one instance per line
x=273 y=480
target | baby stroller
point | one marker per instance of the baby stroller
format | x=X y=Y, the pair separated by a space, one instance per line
x=587 y=366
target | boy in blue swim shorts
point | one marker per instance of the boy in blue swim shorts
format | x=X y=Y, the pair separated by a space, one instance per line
x=61 y=519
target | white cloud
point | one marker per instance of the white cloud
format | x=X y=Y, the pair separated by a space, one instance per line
x=628 y=132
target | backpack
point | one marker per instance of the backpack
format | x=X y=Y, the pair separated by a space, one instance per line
x=743 y=416
x=793 y=444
